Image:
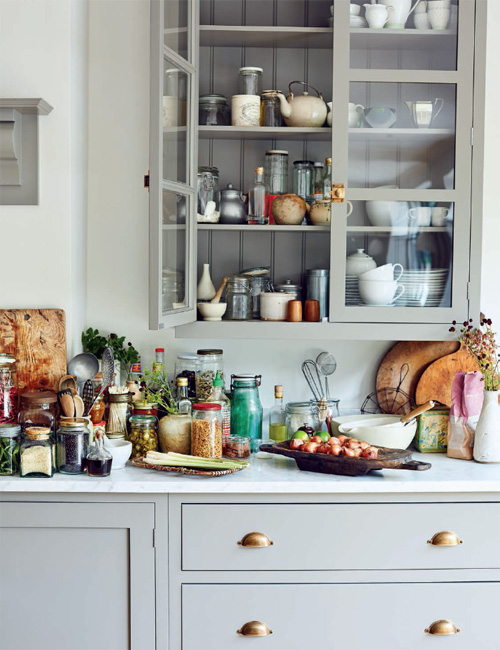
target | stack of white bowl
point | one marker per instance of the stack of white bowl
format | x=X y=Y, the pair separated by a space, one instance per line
x=423 y=288
x=379 y=288
x=355 y=19
x=435 y=14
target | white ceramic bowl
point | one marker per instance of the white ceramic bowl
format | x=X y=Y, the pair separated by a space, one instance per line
x=354 y=9
x=387 y=213
x=377 y=292
x=273 y=305
x=120 y=450
x=386 y=431
x=212 y=311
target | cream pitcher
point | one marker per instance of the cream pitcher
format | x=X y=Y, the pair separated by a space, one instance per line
x=399 y=10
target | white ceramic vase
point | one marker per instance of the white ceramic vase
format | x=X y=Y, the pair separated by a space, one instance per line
x=205 y=289
x=487 y=438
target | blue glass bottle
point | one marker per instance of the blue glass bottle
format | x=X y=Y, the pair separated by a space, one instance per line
x=246 y=409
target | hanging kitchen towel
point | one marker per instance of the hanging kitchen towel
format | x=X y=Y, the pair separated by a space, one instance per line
x=466 y=403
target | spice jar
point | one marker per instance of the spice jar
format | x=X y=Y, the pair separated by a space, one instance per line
x=213 y=110
x=238 y=298
x=73 y=439
x=209 y=362
x=8 y=390
x=185 y=366
x=174 y=433
x=276 y=171
x=301 y=414
x=250 y=81
x=9 y=448
x=237 y=447
x=302 y=179
x=271 y=109
x=118 y=414
x=143 y=434
x=206 y=430
x=38 y=409
x=36 y=453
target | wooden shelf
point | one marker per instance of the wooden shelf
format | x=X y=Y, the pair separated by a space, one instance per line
x=406 y=136
x=402 y=39
x=265 y=36
x=264 y=133
x=266 y=228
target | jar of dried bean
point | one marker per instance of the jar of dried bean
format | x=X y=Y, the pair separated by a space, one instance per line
x=8 y=390
x=206 y=430
x=209 y=362
x=9 y=448
x=73 y=439
x=36 y=453
x=143 y=434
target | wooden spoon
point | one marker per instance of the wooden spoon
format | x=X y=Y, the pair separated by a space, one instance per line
x=79 y=406
x=218 y=295
x=420 y=409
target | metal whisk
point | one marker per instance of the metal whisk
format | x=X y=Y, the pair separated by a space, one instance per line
x=311 y=373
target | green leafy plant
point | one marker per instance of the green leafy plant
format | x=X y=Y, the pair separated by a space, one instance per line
x=480 y=342
x=155 y=388
x=93 y=341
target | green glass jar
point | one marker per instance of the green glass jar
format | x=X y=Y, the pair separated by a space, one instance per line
x=246 y=409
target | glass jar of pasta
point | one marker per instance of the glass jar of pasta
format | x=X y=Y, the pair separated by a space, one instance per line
x=206 y=430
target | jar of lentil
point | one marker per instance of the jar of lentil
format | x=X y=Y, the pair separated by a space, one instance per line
x=38 y=409
x=143 y=434
x=9 y=448
x=209 y=362
x=118 y=414
x=72 y=444
x=186 y=366
x=36 y=453
x=238 y=298
x=8 y=390
x=206 y=430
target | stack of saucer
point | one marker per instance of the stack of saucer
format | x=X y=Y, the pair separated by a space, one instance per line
x=423 y=288
x=352 y=296
x=357 y=21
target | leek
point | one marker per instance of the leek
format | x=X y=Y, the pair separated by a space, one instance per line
x=172 y=459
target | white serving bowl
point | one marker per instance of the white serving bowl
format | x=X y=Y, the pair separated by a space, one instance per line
x=120 y=450
x=212 y=311
x=387 y=213
x=383 y=431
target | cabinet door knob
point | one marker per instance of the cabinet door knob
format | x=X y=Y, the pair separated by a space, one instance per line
x=255 y=540
x=442 y=627
x=254 y=628
x=445 y=538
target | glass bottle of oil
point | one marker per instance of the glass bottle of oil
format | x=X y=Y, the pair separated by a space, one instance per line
x=277 y=422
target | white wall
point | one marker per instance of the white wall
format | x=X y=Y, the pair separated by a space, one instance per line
x=43 y=54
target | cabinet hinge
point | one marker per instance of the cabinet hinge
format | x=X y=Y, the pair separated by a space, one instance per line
x=146 y=181
x=471 y=136
x=154 y=537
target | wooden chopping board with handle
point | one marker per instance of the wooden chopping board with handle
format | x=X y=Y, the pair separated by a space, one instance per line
x=37 y=339
x=418 y=355
x=435 y=382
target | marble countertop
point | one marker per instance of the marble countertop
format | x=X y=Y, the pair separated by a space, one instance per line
x=276 y=476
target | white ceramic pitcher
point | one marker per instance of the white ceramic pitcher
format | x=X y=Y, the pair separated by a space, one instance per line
x=399 y=10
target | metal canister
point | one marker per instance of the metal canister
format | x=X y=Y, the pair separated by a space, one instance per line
x=317 y=288
x=289 y=287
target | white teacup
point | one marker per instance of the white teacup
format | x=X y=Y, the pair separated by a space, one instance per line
x=439 y=18
x=421 y=21
x=438 y=4
x=376 y=15
x=245 y=110
x=384 y=272
x=422 y=216
x=355 y=118
x=439 y=216
x=380 y=292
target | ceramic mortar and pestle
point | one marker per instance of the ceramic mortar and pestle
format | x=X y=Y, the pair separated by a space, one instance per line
x=214 y=309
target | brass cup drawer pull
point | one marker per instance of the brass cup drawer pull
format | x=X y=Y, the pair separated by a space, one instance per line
x=442 y=628
x=445 y=538
x=254 y=628
x=255 y=540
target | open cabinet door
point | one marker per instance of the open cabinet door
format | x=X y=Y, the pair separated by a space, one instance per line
x=173 y=155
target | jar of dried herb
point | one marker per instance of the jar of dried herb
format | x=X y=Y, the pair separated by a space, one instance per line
x=36 y=452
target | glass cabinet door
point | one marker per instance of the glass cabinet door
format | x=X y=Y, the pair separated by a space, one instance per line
x=405 y=158
x=172 y=165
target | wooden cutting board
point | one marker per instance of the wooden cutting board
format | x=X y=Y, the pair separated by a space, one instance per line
x=435 y=382
x=37 y=339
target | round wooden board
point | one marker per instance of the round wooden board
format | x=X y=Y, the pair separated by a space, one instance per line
x=418 y=355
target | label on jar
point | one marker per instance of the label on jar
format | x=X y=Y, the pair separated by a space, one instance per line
x=226 y=419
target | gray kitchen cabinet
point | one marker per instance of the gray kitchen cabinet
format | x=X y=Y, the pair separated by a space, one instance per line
x=414 y=187
x=77 y=576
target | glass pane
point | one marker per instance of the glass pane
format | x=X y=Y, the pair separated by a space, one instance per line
x=402 y=135
x=175 y=122
x=174 y=257
x=175 y=27
x=417 y=237
x=426 y=40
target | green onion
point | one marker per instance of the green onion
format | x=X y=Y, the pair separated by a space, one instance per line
x=182 y=460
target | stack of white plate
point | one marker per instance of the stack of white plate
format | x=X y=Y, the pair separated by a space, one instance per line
x=352 y=296
x=357 y=21
x=423 y=288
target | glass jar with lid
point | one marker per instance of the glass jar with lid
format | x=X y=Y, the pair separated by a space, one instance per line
x=317 y=181
x=246 y=407
x=301 y=414
x=207 y=189
x=186 y=366
x=118 y=414
x=210 y=362
x=9 y=448
x=271 y=108
x=327 y=409
x=143 y=434
x=260 y=282
x=238 y=298
x=206 y=430
x=276 y=171
x=302 y=179
x=8 y=389
x=36 y=453
x=72 y=445
x=38 y=409
x=213 y=110
x=290 y=287
x=250 y=81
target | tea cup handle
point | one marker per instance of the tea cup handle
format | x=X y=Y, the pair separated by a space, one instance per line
x=397 y=296
x=388 y=15
x=401 y=272
x=359 y=108
x=349 y=209
x=438 y=99
x=412 y=216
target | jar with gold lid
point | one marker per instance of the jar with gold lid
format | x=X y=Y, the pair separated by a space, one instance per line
x=118 y=414
x=143 y=434
x=36 y=453
x=73 y=439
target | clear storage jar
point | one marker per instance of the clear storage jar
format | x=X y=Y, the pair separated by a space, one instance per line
x=186 y=366
x=209 y=362
x=213 y=110
x=250 y=81
x=327 y=410
x=36 y=453
x=302 y=179
x=9 y=448
x=118 y=414
x=300 y=414
x=271 y=109
x=206 y=430
x=72 y=445
x=143 y=434
x=276 y=171
x=8 y=389
x=38 y=409
x=238 y=298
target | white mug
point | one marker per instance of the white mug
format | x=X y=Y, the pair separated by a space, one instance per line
x=439 y=18
x=380 y=292
x=421 y=21
x=398 y=10
x=356 y=112
x=245 y=110
x=422 y=216
x=376 y=15
x=439 y=216
x=384 y=272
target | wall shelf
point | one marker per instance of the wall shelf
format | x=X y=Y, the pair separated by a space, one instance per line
x=265 y=228
x=265 y=36
x=403 y=39
x=264 y=133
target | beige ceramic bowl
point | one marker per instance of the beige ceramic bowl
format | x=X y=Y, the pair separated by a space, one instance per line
x=212 y=311
x=387 y=431
x=288 y=210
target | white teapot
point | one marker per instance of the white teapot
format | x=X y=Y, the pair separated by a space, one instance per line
x=303 y=110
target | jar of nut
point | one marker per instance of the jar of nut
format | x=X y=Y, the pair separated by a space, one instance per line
x=143 y=435
x=206 y=430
